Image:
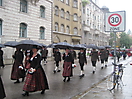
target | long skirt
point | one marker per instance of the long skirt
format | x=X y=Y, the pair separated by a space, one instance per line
x=16 y=72
x=67 y=69
x=2 y=91
x=36 y=81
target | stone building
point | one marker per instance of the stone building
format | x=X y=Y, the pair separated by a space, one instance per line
x=93 y=25
x=67 y=21
x=25 y=19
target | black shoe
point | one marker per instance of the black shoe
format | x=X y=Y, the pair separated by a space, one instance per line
x=64 y=79
x=58 y=70
x=68 y=79
x=101 y=67
x=93 y=72
x=43 y=91
x=105 y=65
x=54 y=71
x=26 y=94
x=17 y=82
x=23 y=79
x=81 y=76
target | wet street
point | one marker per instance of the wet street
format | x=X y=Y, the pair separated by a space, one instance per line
x=59 y=89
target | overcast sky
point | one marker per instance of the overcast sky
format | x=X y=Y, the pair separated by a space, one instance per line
x=120 y=5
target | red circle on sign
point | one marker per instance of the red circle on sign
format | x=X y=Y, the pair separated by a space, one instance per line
x=118 y=22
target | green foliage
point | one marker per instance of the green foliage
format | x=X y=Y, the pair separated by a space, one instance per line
x=85 y=2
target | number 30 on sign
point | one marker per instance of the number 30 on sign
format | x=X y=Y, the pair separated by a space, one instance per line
x=115 y=21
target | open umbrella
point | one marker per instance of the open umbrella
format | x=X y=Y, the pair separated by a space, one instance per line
x=28 y=44
x=11 y=43
x=2 y=46
x=107 y=46
x=101 y=47
x=79 y=46
x=63 y=45
x=92 y=46
x=51 y=45
x=43 y=45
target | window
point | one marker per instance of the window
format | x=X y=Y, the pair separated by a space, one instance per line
x=62 y=28
x=0 y=2
x=23 y=6
x=56 y=10
x=62 y=0
x=23 y=30
x=75 y=17
x=68 y=15
x=67 y=2
x=87 y=22
x=0 y=27
x=67 y=29
x=42 y=33
x=75 y=3
x=84 y=10
x=75 y=31
x=62 y=13
x=42 y=11
x=56 y=26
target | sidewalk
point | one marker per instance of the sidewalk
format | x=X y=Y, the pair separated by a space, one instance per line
x=101 y=91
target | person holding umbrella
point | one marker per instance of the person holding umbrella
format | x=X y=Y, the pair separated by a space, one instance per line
x=36 y=79
x=82 y=60
x=94 y=58
x=44 y=53
x=57 y=58
x=18 y=69
x=67 y=65
x=102 y=54
x=1 y=58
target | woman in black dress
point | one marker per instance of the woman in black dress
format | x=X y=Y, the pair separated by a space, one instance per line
x=67 y=66
x=36 y=79
x=2 y=91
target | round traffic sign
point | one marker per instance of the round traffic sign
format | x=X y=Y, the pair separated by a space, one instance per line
x=115 y=19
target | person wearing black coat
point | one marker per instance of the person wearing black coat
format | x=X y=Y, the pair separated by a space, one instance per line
x=102 y=54
x=18 y=69
x=2 y=90
x=1 y=58
x=44 y=53
x=94 y=57
x=36 y=79
x=107 y=56
x=82 y=61
x=67 y=65
x=57 y=58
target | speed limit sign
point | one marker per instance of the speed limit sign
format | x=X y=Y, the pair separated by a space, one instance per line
x=115 y=21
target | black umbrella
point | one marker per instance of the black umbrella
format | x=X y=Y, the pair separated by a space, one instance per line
x=28 y=44
x=107 y=46
x=51 y=45
x=101 y=47
x=2 y=46
x=43 y=45
x=92 y=46
x=11 y=43
x=79 y=46
x=63 y=45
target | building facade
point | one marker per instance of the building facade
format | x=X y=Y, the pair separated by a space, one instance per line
x=67 y=21
x=93 y=25
x=25 y=19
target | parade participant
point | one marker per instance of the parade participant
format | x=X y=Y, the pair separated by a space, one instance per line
x=118 y=55
x=94 y=58
x=73 y=53
x=2 y=90
x=1 y=58
x=44 y=53
x=18 y=69
x=124 y=54
x=57 y=58
x=106 y=58
x=28 y=54
x=82 y=60
x=36 y=79
x=102 y=54
x=67 y=65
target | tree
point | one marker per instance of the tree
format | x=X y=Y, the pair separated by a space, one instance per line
x=85 y=2
x=125 y=40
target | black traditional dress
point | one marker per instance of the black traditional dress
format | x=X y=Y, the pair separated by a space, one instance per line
x=37 y=80
x=1 y=59
x=16 y=72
